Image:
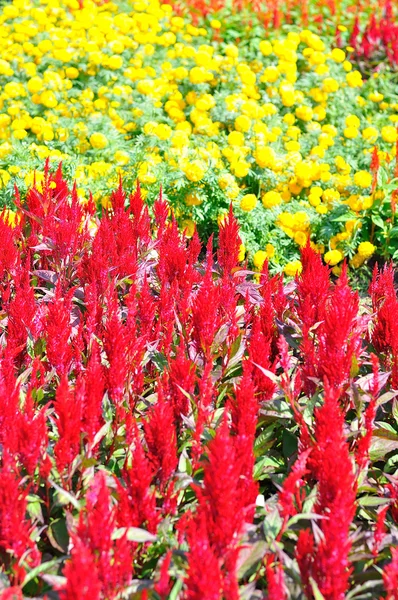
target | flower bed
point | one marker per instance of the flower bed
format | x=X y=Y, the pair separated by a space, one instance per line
x=280 y=122
x=172 y=428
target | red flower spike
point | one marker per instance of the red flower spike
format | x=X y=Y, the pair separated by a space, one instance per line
x=275 y=580
x=229 y=243
x=390 y=576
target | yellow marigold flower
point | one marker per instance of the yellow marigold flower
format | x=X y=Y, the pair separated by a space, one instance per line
x=300 y=238
x=194 y=171
x=304 y=113
x=121 y=157
x=363 y=179
x=193 y=199
x=357 y=261
x=389 y=134
x=351 y=133
x=98 y=141
x=271 y=199
x=352 y=121
x=243 y=123
x=248 y=202
x=333 y=257
x=188 y=227
x=354 y=79
x=72 y=72
x=330 y=85
x=242 y=252
x=265 y=47
x=293 y=268
x=375 y=97
x=370 y=133
x=236 y=138
x=338 y=55
x=259 y=259
x=270 y=250
x=366 y=249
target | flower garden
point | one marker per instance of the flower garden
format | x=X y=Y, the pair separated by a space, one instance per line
x=198 y=305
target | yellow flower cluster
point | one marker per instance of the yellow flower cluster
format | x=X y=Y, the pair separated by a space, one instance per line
x=284 y=128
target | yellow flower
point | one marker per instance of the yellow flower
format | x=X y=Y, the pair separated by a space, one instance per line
x=10 y=217
x=271 y=199
x=193 y=199
x=265 y=47
x=236 y=138
x=304 y=113
x=242 y=252
x=259 y=259
x=242 y=123
x=121 y=157
x=248 y=202
x=363 y=179
x=333 y=257
x=270 y=250
x=338 y=55
x=366 y=249
x=389 y=134
x=352 y=121
x=188 y=227
x=98 y=141
x=194 y=171
x=293 y=268
x=357 y=261
x=351 y=133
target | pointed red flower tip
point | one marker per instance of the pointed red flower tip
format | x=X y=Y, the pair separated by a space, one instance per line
x=161 y=211
x=164 y=585
x=229 y=242
x=375 y=162
x=291 y=486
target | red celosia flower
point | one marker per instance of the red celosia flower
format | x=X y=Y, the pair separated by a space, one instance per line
x=275 y=580
x=228 y=243
x=331 y=465
x=164 y=585
x=161 y=438
x=137 y=501
x=95 y=550
x=290 y=497
x=15 y=528
x=69 y=422
x=380 y=530
x=384 y=336
x=204 y=577
x=340 y=334
x=58 y=330
x=390 y=576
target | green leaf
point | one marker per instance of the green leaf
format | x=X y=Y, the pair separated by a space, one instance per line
x=249 y=556
x=43 y=568
x=134 y=534
x=315 y=590
x=176 y=590
x=272 y=524
x=58 y=535
x=289 y=444
x=377 y=220
x=372 y=501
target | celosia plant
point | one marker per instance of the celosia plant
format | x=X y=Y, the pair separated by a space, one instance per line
x=174 y=425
